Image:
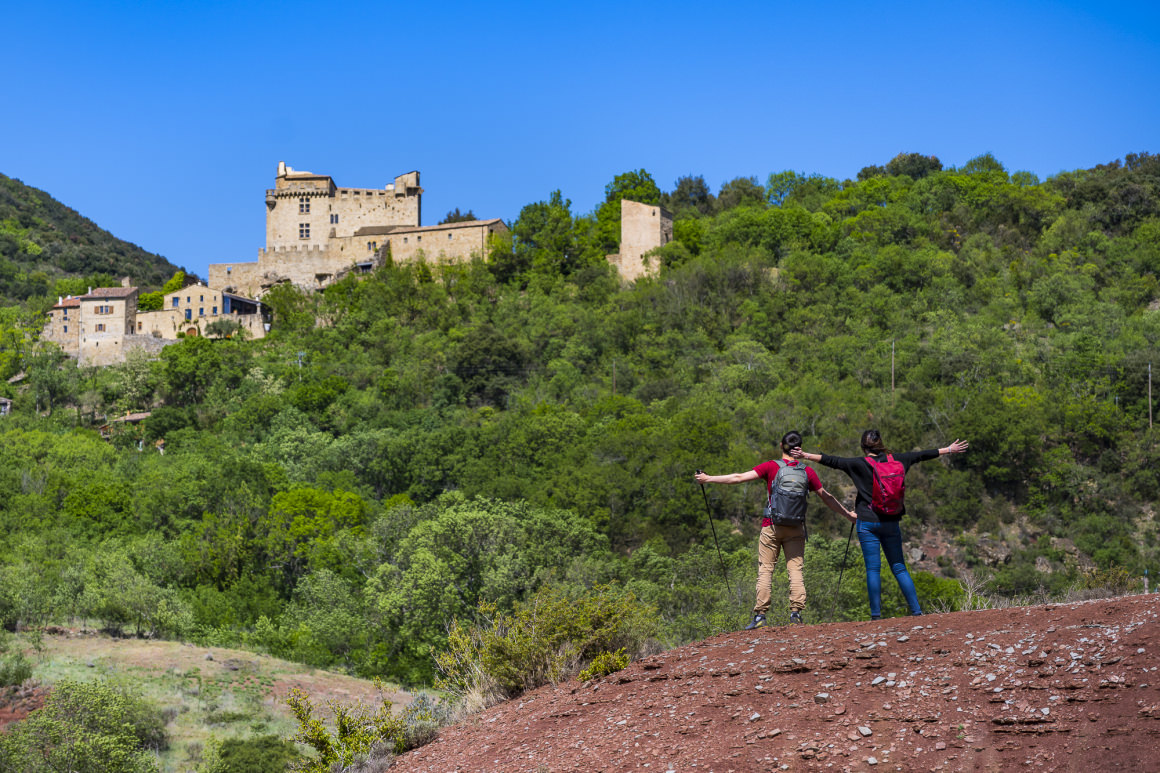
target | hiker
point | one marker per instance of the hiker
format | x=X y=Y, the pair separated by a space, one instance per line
x=880 y=478
x=783 y=527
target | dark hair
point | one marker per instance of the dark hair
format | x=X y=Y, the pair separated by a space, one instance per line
x=872 y=442
x=791 y=439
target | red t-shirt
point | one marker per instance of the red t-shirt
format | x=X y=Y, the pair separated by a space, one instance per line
x=768 y=471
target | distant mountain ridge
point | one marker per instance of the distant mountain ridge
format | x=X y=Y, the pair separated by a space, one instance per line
x=43 y=240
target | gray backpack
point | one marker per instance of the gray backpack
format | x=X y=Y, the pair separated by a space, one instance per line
x=787 y=496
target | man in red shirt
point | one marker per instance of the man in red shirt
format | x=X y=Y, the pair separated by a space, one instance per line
x=775 y=537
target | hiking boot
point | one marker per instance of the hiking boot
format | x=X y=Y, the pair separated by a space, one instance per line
x=795 y=618
x=875 y=617
x=758 y=621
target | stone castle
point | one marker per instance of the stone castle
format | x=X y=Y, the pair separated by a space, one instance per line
x=317 y=231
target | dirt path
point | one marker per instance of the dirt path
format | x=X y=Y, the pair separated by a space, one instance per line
x=1060 y=687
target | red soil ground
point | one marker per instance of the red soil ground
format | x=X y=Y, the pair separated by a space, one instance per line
x=1071 y=687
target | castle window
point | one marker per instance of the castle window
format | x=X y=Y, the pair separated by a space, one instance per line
x=176 y=301
x=448 y=237
x=201 y=312
x=334 y=219
x=188 y=314
x=66 y=328
x=229 y=269
x=404 y=240
x=215 y=311
x=140 y=325
x=418 y=238
x=304 y=206
x=201 y=298
x=100 y=327
x=304 y=230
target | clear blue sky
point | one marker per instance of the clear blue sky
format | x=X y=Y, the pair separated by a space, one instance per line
x=164 y=122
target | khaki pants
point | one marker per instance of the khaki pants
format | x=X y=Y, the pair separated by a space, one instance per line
x=774 y=539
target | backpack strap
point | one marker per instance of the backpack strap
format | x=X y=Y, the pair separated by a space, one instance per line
x=769 y=492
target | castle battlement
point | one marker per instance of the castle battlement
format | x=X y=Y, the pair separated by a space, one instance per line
x=313 y=249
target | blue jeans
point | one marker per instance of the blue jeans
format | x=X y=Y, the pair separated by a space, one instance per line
x=886 y=537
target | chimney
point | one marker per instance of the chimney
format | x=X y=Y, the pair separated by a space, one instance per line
x=125 y=282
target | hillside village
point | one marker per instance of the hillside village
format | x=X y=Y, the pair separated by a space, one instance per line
x=316 y=234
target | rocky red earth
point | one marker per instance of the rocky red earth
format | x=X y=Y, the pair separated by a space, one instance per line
x=1057 y=687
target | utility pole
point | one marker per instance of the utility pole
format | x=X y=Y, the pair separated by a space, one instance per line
x=891 y=364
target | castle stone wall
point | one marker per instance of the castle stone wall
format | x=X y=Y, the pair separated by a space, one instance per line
x=450 y=242
x=643 y=227
x=242 y=278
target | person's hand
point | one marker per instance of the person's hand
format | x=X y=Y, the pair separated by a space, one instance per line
x=957 y=447
x=797 y=453
x=851 y=516
x=701 y=477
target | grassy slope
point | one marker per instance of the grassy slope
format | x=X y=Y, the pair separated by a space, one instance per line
x=236 y=694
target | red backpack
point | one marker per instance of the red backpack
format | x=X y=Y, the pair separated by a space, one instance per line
x=889 y=485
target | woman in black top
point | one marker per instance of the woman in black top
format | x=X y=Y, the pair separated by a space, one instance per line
x=878 y=529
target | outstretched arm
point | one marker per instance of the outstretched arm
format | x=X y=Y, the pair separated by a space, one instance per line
x=833 y=503
x=737 y=477
x=797 y=453
x=956 y=447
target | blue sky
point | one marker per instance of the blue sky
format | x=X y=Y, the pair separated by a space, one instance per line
x=164 y=122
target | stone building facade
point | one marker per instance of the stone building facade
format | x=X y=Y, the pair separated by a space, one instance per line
x=191 y=309
x=63 y=325
x=643 y=227
x=450 y=241
x=317 y=231
x=102 y=326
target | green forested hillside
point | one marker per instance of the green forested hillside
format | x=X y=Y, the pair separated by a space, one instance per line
x=43 y=242
x=408 y=444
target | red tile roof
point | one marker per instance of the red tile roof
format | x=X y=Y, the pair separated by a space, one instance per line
x=110 y=292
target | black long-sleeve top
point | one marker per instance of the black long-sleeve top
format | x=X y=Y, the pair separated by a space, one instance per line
x=859 y=471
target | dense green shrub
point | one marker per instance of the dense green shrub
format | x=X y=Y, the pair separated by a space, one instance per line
x=90 y=726
x=546 y=639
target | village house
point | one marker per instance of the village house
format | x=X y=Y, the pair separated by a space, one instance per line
x=192 y=309
x=103 y=325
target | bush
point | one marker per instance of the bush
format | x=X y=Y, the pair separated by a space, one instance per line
x=604 y=664
x=545 y=640
x=94 y=727
x=14 y=670
x=264 y=754
x=362 y=740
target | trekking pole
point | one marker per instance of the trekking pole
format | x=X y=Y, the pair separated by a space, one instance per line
x=838 y=587
x=709 y=512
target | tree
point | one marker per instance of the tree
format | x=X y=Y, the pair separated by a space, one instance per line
x=51 y=376
x=740 y=192
x=543 y=239
x=780 y=185
x=150 y=301
x=690 y=193
x=175 y=283
x=455 y=216
x=225 y=328
x=913 y=165
x=637 y=185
